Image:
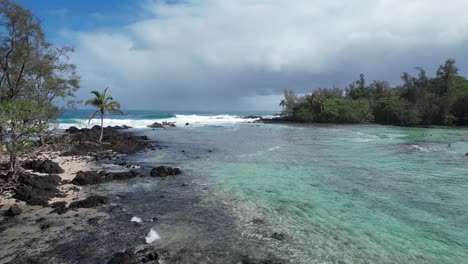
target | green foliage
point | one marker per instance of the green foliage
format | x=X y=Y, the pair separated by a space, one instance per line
x=20 y=121
x=396 y=110
x=33 y=75
x=420 y=100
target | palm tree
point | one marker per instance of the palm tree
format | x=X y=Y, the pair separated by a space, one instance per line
x=105 y=104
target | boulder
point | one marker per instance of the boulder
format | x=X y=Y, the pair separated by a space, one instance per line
x=156 y=125
x=13 y=211
x=163 y=171
x=171 y=124
x=46 y=166
x=35 y=189
x=87 y=178
x=125 y=175
x=72 y=130
x=90 y=202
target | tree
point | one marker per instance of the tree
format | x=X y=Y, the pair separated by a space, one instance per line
x=20 y=121
x=33 y=76
x=288 y=102
x=105 y=104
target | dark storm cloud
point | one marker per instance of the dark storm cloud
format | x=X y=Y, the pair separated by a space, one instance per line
x=240 y=54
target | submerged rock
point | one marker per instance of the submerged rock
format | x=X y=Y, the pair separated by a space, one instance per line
x=35 y=189
x=13 y=211
x=46 y=166
x=163 y=171
x=278 y=236
x=250 y=260
x=90 y=202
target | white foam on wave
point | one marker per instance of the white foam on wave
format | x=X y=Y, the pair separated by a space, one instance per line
x=179 y=120
x=261 y=152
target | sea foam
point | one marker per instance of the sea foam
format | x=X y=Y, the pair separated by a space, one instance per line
x=179 y=120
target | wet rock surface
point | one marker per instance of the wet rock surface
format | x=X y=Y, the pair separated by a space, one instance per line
x=90 y=202
x=35 y=189
x=43 y=166
x=163 y=171
x=83 y=178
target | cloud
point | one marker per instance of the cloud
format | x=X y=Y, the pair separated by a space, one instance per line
x=216 y=54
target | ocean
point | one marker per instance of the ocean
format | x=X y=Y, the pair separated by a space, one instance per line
x=299 y=193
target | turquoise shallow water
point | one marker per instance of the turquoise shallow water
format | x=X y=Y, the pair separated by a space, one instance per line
x=340 y=194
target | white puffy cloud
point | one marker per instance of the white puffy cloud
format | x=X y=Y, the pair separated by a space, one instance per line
x=214 y=54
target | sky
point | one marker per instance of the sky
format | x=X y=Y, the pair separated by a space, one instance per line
x=238 y=55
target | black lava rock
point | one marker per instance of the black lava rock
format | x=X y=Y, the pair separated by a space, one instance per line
x=13 y=211
x=35 y=189
x=90 y=202
x=163 y=171
x=46 y=166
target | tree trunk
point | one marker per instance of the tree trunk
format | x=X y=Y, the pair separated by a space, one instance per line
x=13 y=162
x=102 y=127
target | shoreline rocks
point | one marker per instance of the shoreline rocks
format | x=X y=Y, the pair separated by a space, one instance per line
x=44 y=166
x=163 y=171
x=83 y=178
x=162 y=125
x=90 y=202
x=86 y=142
x=36 y=189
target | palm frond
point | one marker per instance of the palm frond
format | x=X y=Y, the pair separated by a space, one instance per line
x=93 y=102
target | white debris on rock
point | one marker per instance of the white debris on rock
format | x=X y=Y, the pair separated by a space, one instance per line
x=136 y=220
x=151 y=237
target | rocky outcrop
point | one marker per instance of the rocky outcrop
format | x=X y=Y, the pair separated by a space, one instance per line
x=86 y=142
x=156 y=125
x=43 y=166
x=13 y=211
x=169 y=124
x=90 y=202
x=163 y=171
x=35 y=189
x=124 y=175
x=93 y=177
x=87 y=178
x=162 y=125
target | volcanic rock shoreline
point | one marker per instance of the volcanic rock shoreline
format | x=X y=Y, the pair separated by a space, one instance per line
x=39 y=183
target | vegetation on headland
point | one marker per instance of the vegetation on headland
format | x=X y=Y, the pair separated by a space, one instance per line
x=33 y=76
x=419 y=100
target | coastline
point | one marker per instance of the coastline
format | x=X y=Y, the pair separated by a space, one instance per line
x=115 y=230
x=34 y=230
